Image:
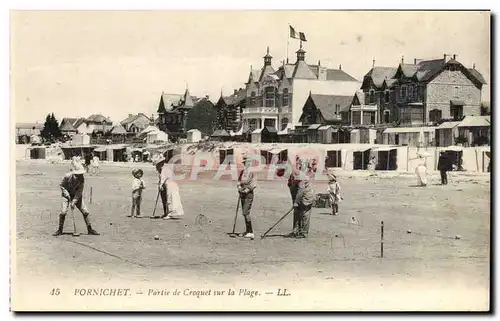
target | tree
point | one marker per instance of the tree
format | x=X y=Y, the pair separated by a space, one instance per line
x=203 y=117
x=46 y=131
x=56 y=131
x=51 y=130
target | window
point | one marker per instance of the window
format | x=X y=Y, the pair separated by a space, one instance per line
x=403 y=93
x=284 y=123
x=387 y=116
x=269 y=94
x=387 y=96
x=356 y=118
x=252 y=124
x=337 y=109
x=410 y=92
x=285 y=97
x=417 y=93
x=372 y=97
x=372 y=118
x=457 y=112
x=435 y=115
x=406 y=115
x=252 y=99
x=455 y=92
x=417 y=115
x=270 y=122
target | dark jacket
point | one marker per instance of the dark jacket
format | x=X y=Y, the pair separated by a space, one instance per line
x=445 y=163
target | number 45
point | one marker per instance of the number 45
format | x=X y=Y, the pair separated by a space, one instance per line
x=55 y=291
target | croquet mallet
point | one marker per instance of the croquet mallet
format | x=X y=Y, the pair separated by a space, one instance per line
x=75 y=233
x=156 y=205
x=281 y=219
x=233 y=233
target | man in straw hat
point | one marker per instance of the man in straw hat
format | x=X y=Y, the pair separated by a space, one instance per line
x=72 y=187
x=159 y=162
x=293 y=185
x=246 y=186
x=303 y=204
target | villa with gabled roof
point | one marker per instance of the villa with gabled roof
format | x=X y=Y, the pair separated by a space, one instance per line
x=423 y=93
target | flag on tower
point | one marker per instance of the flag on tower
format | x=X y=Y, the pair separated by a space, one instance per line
x=297 y=35
x=293 y=34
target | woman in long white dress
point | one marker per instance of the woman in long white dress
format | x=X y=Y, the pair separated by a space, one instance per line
x=421 y=171
x=175 y=208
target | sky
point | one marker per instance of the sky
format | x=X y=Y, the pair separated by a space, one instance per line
x=77 y=63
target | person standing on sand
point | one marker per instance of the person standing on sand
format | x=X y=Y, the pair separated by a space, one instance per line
x=334 y=193
x=159 y=162
x=169 y=191
x=95 y=165
x=247 y=183
x=421 y=170
x=293 y=185
x=444 y=165
x=137 y=186
x=303 y=204
x=72 y=187
x=88 y=158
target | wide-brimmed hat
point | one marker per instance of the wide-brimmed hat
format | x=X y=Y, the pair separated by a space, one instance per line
x=77 y=168
x=159 y=159
x=137 y=172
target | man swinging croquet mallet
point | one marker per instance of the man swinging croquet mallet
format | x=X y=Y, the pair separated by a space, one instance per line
x=303 y=204
x=246 y=186
x=72 y=187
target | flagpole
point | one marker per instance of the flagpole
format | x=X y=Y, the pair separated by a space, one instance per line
x=287 y=43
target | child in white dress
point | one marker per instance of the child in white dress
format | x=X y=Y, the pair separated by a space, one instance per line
x=334 y=193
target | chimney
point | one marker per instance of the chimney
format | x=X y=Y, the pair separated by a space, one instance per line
x=373 y=63
x=234 y=92
x=402 y=59
x=287 y=61
x=454 y=57
x=207 y=97
x=415 y=61
x=319 y=63
x=129 y=115
x=340 y=67
x=473 y=66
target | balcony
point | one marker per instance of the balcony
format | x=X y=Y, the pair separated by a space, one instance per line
x=260 y=110
x=364 y=107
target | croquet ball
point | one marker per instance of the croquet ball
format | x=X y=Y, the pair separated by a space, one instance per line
x=457 y=237
x=185 y=225
x=438 y=230
x=336 y=235
x=409 y=231
x=110 y=223
x=209 y=222
x=157 y=237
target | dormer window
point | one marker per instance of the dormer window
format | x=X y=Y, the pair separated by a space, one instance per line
x=372 y=97
x=387 y=96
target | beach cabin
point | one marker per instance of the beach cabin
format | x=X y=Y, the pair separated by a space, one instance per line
x=386 y=158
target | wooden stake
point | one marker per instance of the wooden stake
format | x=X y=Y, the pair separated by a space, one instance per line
x=382 y=239
x=90 y=194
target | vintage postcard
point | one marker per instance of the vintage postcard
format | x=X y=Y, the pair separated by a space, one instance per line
x=250 y=160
